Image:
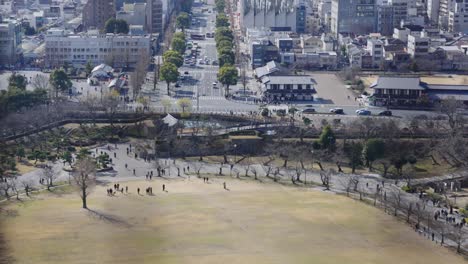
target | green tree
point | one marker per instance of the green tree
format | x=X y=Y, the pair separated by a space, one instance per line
x=220 y=5
x=17 y=81
x=20 y=153
x=173 y=57
x=88 y=68
x=60 y=81
x=353 y=151
x=183 y=21
x=306 y=121
x=224 y=43
x=327 y=138
x=67 y=157
x=223 y=32
x=228 y=75
x=226 y=57
x=373 y=150
x=83 y=153
x=178 y=45
x=169 y=73
x=222 y=20
x=180 y=35
x=117 y=26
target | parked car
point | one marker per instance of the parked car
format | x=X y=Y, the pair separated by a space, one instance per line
x=214 y=84
x=186 y=72
x=177 y=85
x=385 y=113
x=308 y=111
x=363 y=112
x=338 y=111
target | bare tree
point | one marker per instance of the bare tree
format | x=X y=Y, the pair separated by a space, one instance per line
x=138 y=76
x=40 y=81
x=6 y=186
x=198 y=166
x=27 y=186
x=49 y=175
x=419 y=211
x=111 y=104
x=459 y=235
x=325 y=177
x=254 y=171
x=397 y=197
x=92 y=104
x=84 y=178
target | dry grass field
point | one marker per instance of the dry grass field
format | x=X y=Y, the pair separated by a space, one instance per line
x=196 y=222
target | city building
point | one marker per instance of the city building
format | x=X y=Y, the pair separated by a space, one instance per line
x=154 y=16
x=10 y=41
x=283 y=15
x=400 y=11
x=433 y=11
x=358 y=17
x=97 y=12
x=134 y=14
x=120 y=51
x=375 y=49
x=418 y=46
x=458 y=17
x=263 y=51
x=385 y=20
x=411 y=92
x=288 y=88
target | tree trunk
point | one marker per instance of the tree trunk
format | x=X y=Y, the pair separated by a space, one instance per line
x=168 y=92
x=320 y=165
x=84 y=198
x=285 y=164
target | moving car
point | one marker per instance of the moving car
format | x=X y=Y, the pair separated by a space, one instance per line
x=363 y=112
x=308 y=111
x=385 y=113
x=338 y=111
x=214 y=84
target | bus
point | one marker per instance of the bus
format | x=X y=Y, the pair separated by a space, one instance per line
x=197 y=36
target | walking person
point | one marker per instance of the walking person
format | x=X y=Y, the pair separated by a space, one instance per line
x=164 y=187
x=138 y=190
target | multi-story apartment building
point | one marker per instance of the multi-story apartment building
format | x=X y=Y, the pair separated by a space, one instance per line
x=418 y=46
x=154 y=9
x=444 y=9
x=400 y=11
x=385 y=20
x=353 y=17
x=10 y=41
x=97 y=12
x=433 y=10
x=458 y=17
x=375 y=49
x=78 y=49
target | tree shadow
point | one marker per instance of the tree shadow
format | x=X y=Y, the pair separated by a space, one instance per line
x=108 y=218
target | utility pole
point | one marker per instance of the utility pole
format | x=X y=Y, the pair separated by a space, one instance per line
x=198 y=99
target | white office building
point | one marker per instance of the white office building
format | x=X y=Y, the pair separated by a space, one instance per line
x=115 y=50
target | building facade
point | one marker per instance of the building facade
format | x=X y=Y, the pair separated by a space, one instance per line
x=97 y=12
x=154 y=16
x=458 y=17
x=288 y=88
x=353 y=17
x=10 y=42
x=119 y=51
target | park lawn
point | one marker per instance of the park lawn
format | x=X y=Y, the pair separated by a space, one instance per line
x=202 y=223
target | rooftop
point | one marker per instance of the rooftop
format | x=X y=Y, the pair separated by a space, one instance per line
x=289 y=79
x=410 y=83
